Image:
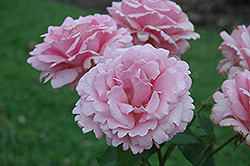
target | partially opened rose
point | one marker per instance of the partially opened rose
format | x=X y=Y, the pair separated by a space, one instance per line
x=135 y=96
x=235 y=50
x=67 y=50
x=232 y=106
x=161 y=23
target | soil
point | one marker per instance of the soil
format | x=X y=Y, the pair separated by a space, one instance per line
x=219 y=14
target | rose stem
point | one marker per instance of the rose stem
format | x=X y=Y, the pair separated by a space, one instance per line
x=160 y=157
x=224 y=143
x=168 y=152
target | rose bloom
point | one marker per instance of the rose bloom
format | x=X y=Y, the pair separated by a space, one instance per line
x=135 y=96
x=67 y=50
x=235 y=49
x=232 y=106
x=158 y=22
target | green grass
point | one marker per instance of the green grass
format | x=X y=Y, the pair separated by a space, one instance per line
x=37 y=126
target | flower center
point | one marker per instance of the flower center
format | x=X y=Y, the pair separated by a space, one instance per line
x=137 y=91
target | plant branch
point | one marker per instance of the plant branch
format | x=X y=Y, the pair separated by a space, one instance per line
x=225 y=143
x=145 y=161
x=168 y=152
x=160 y=157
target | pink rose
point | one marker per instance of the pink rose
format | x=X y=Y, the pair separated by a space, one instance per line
x=135 y=96
x=232 y=106
x=68 y=49
x=235 y=49
x=158 y=22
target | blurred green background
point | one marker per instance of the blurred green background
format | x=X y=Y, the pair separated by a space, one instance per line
x=36 y=123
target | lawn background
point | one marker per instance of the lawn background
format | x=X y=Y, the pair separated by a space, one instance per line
x=36 y=123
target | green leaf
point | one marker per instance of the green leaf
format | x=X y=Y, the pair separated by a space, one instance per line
x=193 y=151
x=127 y=158
x=187 y=137
x=204 y=137
x=151 y=151
x=108 y=158
x=204 y=156
x=118 y=157
x=206 y=124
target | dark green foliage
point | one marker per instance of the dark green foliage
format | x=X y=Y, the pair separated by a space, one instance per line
x=117 y=157
x=108 y=158
x=206 y=124
x=185 y=138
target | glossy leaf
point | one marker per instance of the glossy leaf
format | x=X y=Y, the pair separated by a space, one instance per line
x=206 y=124
x=118 y=157
x=187 y=137
x=204 y=156
x=204 y=137
x=193 y=151
x=127 y=158
x=108 y=158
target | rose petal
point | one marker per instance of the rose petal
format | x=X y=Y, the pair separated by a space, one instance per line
x=63 y=77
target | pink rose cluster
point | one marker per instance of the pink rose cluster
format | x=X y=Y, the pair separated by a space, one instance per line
x=236 y=50
x=232 y=104
x=133 y=90
x=158 y=22
x=135 y=96
x=71 y=49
